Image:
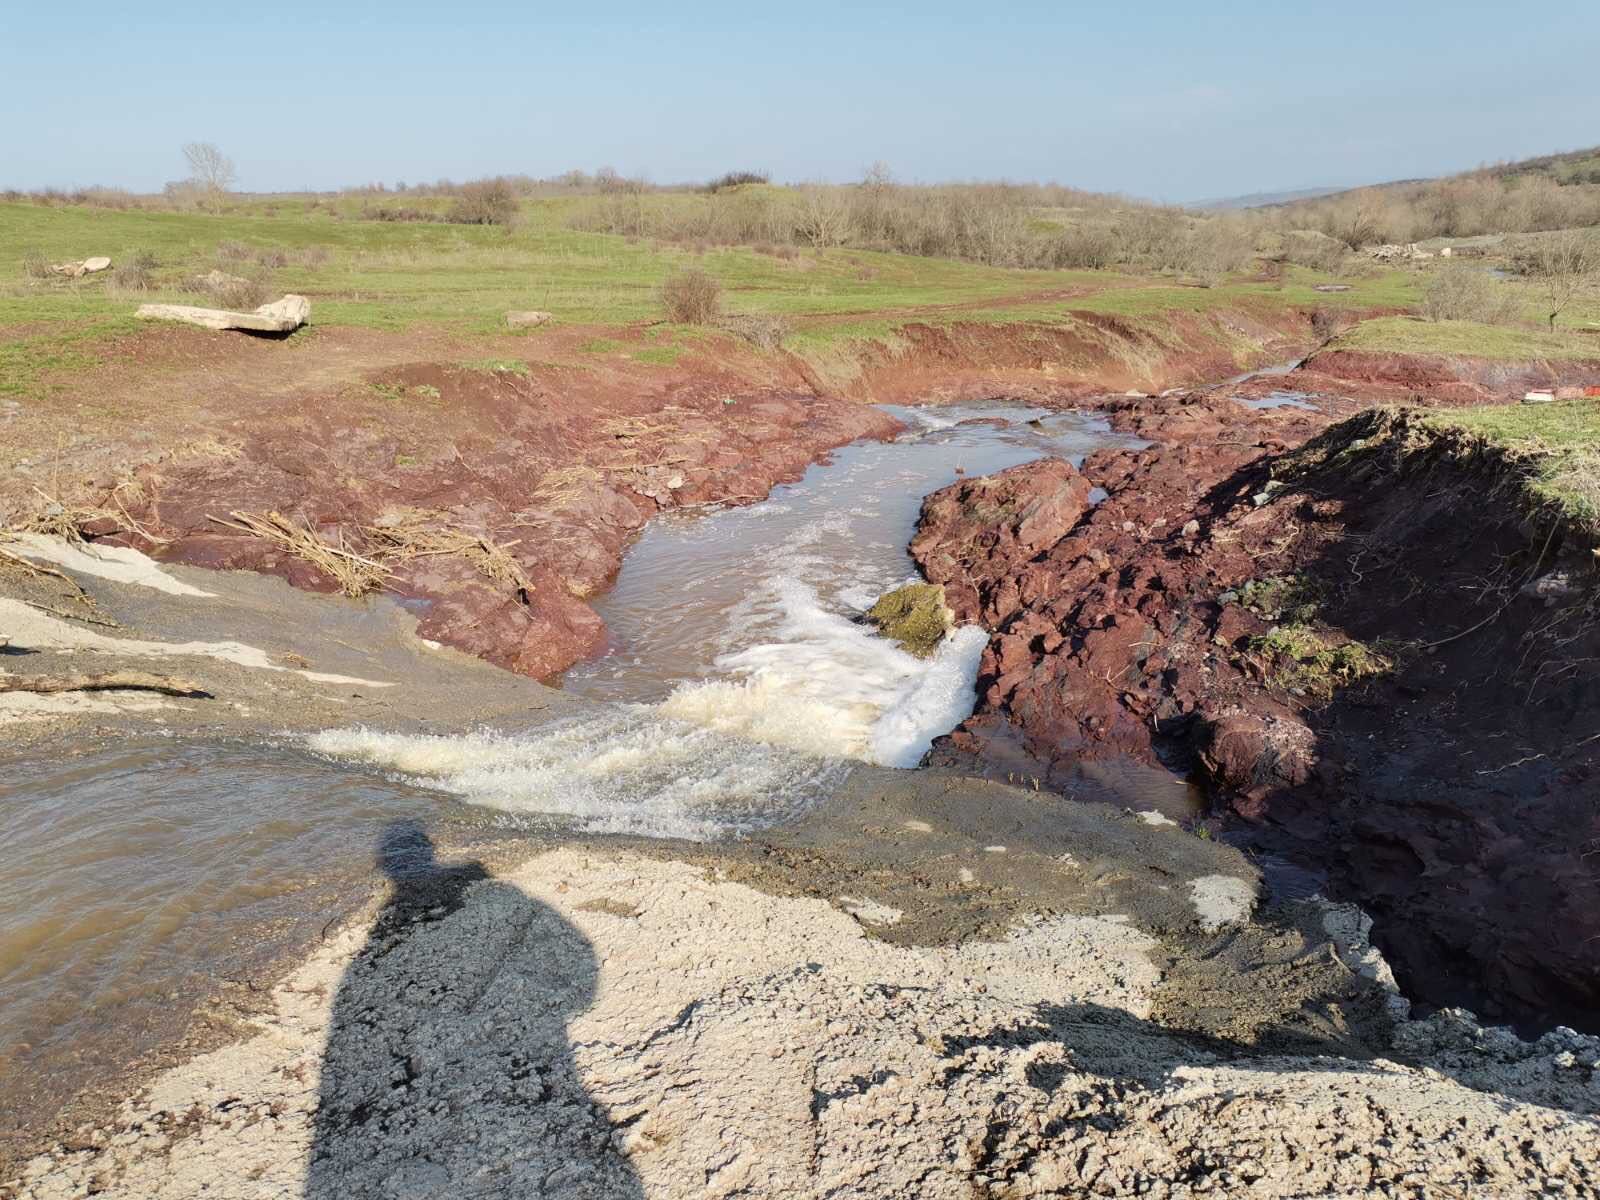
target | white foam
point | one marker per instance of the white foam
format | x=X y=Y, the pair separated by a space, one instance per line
x=629 y=770
x=828 y=686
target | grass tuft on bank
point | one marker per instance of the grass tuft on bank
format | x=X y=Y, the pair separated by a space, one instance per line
x=1560 y=443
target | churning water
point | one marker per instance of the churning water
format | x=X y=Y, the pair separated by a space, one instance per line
x=745 y=677
x=743 y=686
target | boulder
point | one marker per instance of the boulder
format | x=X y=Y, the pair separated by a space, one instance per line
x=915 y=616
x=526 y=320
x=84 y=266
x=281 y=316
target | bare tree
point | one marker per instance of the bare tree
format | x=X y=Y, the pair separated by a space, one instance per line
x=210 y=169
x=1564 y=264
x=824 y=215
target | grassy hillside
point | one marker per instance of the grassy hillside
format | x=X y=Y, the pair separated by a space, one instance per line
x=399 y=275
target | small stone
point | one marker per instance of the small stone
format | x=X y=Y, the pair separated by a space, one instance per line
x=1192 y=528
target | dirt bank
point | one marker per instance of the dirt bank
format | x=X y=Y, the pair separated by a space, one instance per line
x=1345 y=643
x=605 y=1024
x=493 y=488
x=1443 y=378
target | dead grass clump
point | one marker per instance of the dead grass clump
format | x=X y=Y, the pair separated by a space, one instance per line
x=238 y=293
x=356 y=574
x=691 y=297
x=561 y=487
x=272 y=257
x=233 y=251
x=135 y=272
x=1468 y=294
x=35 y=265
x=409 y=539
x=762 y=331
x=309 y=256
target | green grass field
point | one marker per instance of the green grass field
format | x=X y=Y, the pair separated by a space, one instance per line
x=400 y=275
x=1561 y=441
x=403 y=275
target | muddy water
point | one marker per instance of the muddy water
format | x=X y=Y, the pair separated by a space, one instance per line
x=750 y=614
x=741 y=678
x=141 y=877
x=138 y=878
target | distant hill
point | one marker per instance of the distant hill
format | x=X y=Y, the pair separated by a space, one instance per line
x=1263 y=199
x=1571 y=166
x=1567 y=167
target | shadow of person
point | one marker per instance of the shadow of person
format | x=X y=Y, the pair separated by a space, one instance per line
x=447 y=1070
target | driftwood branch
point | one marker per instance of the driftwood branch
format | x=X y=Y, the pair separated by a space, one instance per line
x=132 y=681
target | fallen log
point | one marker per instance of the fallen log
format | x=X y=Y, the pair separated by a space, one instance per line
x=109 y=681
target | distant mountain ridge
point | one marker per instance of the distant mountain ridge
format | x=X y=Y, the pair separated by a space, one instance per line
x=1565 y=167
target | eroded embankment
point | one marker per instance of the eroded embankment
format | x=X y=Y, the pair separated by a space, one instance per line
x=495 y=498
x=1373 y=649
x=1445 y=378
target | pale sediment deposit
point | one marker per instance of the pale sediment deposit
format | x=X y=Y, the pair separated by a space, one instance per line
x=605 y=1024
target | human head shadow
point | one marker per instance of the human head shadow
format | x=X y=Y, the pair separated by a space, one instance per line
x=447 y=1070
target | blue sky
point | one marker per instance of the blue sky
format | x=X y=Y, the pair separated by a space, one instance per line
x=1174 y=101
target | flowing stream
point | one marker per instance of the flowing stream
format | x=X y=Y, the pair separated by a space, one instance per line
x=740 y=683
x=743 y=679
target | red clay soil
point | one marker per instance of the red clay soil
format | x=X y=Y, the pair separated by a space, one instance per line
x=561 y=460
x=1454 y=796
x=562 y=478
x=1444 y=379
x=1095 y=354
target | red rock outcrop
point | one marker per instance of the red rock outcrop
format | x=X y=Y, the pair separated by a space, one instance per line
x=1452 y=794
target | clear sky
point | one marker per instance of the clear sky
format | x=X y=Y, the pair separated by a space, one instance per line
x=1169 y=99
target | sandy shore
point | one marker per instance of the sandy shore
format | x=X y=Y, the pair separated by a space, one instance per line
x=931 y=986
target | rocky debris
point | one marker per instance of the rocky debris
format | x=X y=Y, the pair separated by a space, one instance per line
x=915 y=616
x=281 y=316
x=526 y=320
x=86 y=266
x=740 y=1043
x=1128 y=636
x=1393 y=252
x=973 y=531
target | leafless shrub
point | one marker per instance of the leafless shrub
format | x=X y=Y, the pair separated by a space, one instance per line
x=691 y=297
x=396 y=213
x=135 y=272
x=485 y=202
x=211 y=172
x=232 y=251
x=764 y=331
x=824 y=217
x=1310 y=248
x=238 y=293
x=1085 y=248
x=36 y=265
x=309 y=256
x=735 y=179
x=1216 y=248
x=1467 y=294
x=1562 y=264
x=272 y=257
x=1326 y=324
